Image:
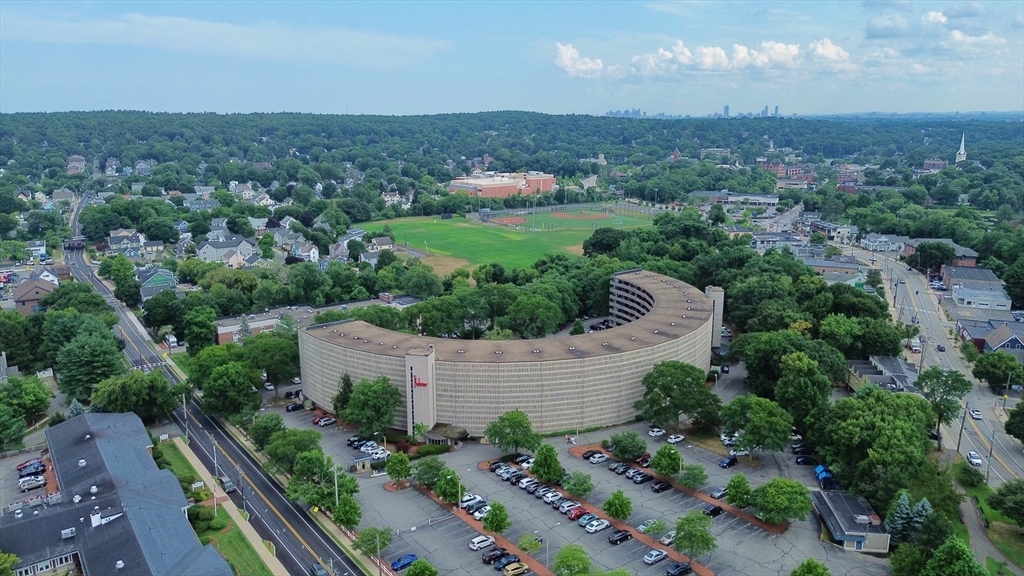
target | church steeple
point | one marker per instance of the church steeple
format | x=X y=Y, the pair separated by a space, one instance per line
x=961 y=154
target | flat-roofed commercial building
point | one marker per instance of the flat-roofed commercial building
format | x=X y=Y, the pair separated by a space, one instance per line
x=502 y=185
x=560 y=382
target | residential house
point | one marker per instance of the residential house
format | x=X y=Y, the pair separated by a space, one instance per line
x=263 y=199
x=884 y=243
x=63 y=194
x=153 y=247
x=218 y=224
x=963 y=256
x=255 y=261
x=234 y=259
x=764 y=241
x=843 y=233
x=181 y=226
x=37 y=248
x=285 y=238
x=46 y=276
x=204 y=192
x=287 y=222
x=307 y=251
x=125 y=241
x=138 y=186
x=851 y=522
x=258 y=224
x=61 y=271
x=154 y=280
x=28 y=294
x=969 y=277
x=338 y=251
x=832 y=266
x=109 y=511
x=216 y=251
x=369 y=257
x=201 y=204
x=380 y=243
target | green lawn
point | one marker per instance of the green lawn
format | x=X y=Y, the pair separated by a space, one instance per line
x=179 y=465
x=233 y=546
x=460 y=242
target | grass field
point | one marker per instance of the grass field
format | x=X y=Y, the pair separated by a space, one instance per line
x=460 y=242
x=177 y=461
x=233 y=546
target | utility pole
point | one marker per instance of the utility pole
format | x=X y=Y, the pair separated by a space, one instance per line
x=184 y=413
x=335 y=486
x=991 y=446
x=241 y=487
x=963 y=420
x=380 y=569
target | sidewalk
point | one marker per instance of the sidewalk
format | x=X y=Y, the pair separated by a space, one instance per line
x=269 y=559
x=980 y=544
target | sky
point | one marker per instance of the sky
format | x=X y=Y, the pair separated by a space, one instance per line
x=400 y=58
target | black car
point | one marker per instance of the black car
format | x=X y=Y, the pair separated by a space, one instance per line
x=522 y=458
x=623 y=469
x=728 y=462
x=492 y=554
x=713 y=510
x=660 y=486
x=725 y=370
x=642 y=478
x=589 y=453
x=33 y=470
x=678 y=569
x=472 y=508
x=495 y=465
x=505 y=560
x=293 y=407
x=806 y=451
x=515 y=478
x=934 y=435
x=293 y=394
x=358 y=443
x=806 y=460
x=619 y=536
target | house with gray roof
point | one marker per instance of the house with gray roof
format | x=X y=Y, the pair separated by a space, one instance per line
x=215 y=250
x=111 y=511
x=850 y=520
x=200 y=204
x=963 y=256
x=970 y=277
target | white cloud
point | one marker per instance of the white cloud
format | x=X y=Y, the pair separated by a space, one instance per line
x=771 y=54
x=966 y=10
x=887 y=26
x=826 y=49
x=264 y=40
x=987 y=40
x=569 y=59
x=935 y=18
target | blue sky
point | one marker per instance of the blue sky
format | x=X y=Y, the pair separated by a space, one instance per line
x=556 y=57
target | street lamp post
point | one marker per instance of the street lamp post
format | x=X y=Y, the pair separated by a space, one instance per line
x=547 y=548
x=384 y=438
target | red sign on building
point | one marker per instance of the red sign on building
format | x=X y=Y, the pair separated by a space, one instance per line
x=417 y=382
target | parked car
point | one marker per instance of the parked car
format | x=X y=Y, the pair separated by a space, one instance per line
x=619 y=536
x=725 y=369
x=469 y=499
x=596 y=526
x=973 y=458
x=474 y=508
x=505 y=472
x=713 y=510
x=728 y=462
x=31 y=483
x=550 y=497
x=676 y=438
x=403 y=562
x=317 y=419
x=522 y=458
x=619 y=467
x=668 y=538
x=489 y=556
x=494 y=465
x=642 y=478
x=806 y=461
x=589 y=453
x=293 y=394
x=645 y=462
x=719 y=492
x=624 y=469
x=645 y=525
x=804 y=451
x=293 y=407
x=367 y=447
x=543 y=491
x=576 y=513
x=505 y=560
x=641 y=457
x=516 y=477
x=28 y=463
x=631 y=472
x=660 y=486
x=568 y=506
x=556 y=502
x=268 y=386
x=481 y=542
x=515 y=569
x=296 y=380
x=526 y=465
x=678 y=569
x=527 y=482
x=586 y=519
x=532 y=488
x=32 y=470
x=740 y=452
x=654 y=556
x=656 y=433
x=482 y=513
x=598 y=458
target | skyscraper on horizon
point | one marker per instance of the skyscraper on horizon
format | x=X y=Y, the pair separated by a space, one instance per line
x=726 y=110
x=776 y=110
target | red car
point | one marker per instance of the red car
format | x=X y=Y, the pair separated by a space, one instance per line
x=577 y=513
x=646 y=455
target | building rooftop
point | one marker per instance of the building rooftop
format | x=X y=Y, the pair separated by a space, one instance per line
x=970 y=274
x=845 y=514
x=980 y=293
x=678 y=309
x=830 y=263
x=960 y=251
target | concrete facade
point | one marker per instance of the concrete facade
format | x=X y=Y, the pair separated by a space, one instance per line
x=560 y=382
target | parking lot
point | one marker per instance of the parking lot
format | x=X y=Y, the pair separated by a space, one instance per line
x=9 y=479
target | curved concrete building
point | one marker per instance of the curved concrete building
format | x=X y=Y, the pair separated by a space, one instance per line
x=560 y=382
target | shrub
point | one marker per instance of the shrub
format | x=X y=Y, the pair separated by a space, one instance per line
x=969 y=476
x=433 y=449
x=604 y=443
x=378 y=464
x=218 y=524
x=402 y=446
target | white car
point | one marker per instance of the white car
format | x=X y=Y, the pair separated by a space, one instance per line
x=597 y=525
x=975 y=413
x=656 y=432
x=554 y=495
x=676 y=439
x=973 y=458
x=598 y=458
x=481 y=542
x=667 y=539
x=739 y=452
x=380 y=454
x=655 y=556
x=482 y=513
x=469 y=499
x=368 y=447
x=525 y=482
x=268 y=386
x=526 y=465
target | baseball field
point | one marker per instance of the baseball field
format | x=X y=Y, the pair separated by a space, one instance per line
x=516 y=241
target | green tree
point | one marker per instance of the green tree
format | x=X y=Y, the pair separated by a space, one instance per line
x=263 y=427
x=943 y=389
x=122 y=270
x=657 y=528
x=202 y=364
x=276 y=355
x=763 y=424
x=449 y=487
x=693 y=476
x=818 y=238
x=934 y=531
x=162 y=310
x=738 y=491
x=512 y=431
x=802 y=390
x=372 y=405
x=398 y=468
x=781 y=499
x=577 y=327
x=1014 y=424
x=75 y=408
x=340 y=400
x=422 y=282
x=427 y=471
x=618 y=506
x=667 y=461
x=7 y=560
x=200 y=329
x=572 y=560
x=693 y=535
x=717 y=215
x=12 y=429
x=497 y=520
x=908 y=560
x=28 y=396
x=532 y=316
x=230 y=389
x=953 y=557
x=628 y=445
x=673 y=389
x=346 y=512
x=578 y=484
x=998 y=368
x=421 y=567
x=1009 y=500
x=529 y=543
x=932 y=255
x=16 y=338
x=128 y=293
x=810 y=567
x=546 y=466
x=85 y=361
x=372 y=541
x=147 y=395
x=285 y=447
x=266 y=245
x=899 y=520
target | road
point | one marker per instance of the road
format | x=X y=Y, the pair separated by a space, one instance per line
x=299 y=541
x=915 y=299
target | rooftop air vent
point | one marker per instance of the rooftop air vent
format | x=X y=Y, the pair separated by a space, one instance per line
x=365 y=341
x=381 y=343
x=355 y=337
x=460 y=351
x=394 y=345
x=572 y=347
x=684 y=315
x=81 y=463
x=536 y=350
x=655 y=331
x=77 y=499
x=19 y=513
x=672 y=323
x=335 y=330
x=497 y=351
x=93 y=490
x=688 y=308
x=88 y=436
x=632 y=337
x=341 y=334
x=604 y=343
x=688 y=301
x=119 y=564
x=67 y=533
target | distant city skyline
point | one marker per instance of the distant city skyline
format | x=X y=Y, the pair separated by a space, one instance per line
x=677 y=58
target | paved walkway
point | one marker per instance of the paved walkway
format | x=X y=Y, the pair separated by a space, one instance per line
x=269 y=559
x=980 y=543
